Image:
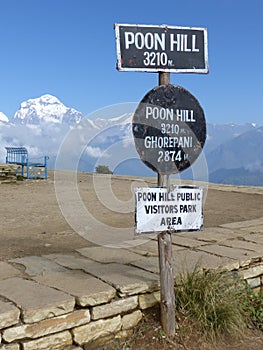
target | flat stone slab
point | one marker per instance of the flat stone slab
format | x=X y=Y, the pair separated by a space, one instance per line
x=37 y=302
x=94 y=330
x=58 y=341
x=187 y=261
x=116 y=307
x=9 y=314
x=242 y=224
x=128 y=280
x=233 y=253
x=212 y=234
x=109 y=255
x=254 y=237
x=36 y=265
x=149 y=248
x=148 y=263
x=186 y=242
x=87 y=290
x=243 y=244
x=253 y=229
x=252 y=272
x=7 y=271
x=46 y=327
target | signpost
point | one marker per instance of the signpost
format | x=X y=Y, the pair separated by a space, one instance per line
x=150 y=48
x=169 y=131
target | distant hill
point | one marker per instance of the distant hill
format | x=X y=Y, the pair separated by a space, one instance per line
x=245 y=150
x=238 y=176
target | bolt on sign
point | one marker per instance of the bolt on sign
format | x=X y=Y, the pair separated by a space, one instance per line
x=151 y=48
x=169 y=129
x=158 y=209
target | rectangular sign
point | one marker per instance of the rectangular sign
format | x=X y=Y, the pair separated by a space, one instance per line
x=151 y=48
x=158 y=210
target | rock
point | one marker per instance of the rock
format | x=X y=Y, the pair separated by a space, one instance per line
x=114 y=308
x=254 y=282
x=97 y=329
x=131 y=320
x=9 y=314
x=36 y=265
x=7 y=271
x=252 y=272
x=87 y=289
x=149 y=300
x=58 y=341
x=128 y=280
x=36 y=301
x=45 y=327
x=10 y=347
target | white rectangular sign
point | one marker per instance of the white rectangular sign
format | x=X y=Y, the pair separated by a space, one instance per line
x=158 y=209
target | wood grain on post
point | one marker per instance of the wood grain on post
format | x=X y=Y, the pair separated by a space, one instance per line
x=167 y=305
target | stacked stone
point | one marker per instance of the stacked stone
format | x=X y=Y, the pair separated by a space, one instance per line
x=253 y=275
x=66 y=309
x=8 y=172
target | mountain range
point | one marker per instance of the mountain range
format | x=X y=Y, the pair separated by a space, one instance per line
x=233 y=153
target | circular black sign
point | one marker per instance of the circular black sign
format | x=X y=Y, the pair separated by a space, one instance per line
x=169 y=129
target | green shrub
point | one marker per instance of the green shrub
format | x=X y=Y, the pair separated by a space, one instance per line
x=103 y=169
x=214 y=299
x=254 y=307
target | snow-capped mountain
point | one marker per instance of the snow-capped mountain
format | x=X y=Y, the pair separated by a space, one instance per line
x=232 y=151
x=123 y=119
x=46 y=108
x=3 y=118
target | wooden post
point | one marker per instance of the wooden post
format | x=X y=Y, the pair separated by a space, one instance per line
x=165 y=258
x=164 y=78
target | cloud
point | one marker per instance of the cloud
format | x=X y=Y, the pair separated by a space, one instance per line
x=96 y=152
x=257 y=166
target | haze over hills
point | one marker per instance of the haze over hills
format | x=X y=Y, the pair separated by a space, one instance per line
x=234 y=153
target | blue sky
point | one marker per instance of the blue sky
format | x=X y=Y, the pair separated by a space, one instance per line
x=67 y=48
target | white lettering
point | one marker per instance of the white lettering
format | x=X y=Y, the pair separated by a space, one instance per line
x=129 y=39
x=185 y=115
x=150 y=41
x=159 y=113
x=168 y=142
x=139 y=40
x=183 y=43
x=194 y=49
x=186 y=49
x=174 y=42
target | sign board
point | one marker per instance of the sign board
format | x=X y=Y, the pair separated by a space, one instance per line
x=169 y=129
x=151 y=48
x=159 y=210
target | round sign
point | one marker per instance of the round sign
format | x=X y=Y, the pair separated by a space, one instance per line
x=169 y=129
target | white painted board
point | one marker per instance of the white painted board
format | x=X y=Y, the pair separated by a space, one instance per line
x=159 y=209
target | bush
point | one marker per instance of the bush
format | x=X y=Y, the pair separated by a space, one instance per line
x=214 y=299
x=103 y=169
x=254 y=307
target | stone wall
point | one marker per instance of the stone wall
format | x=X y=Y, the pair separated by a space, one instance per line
x=75 y=328
x=45 y=306
x=62 y=321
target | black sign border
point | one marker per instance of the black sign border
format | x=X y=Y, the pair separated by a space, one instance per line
x=171 y=70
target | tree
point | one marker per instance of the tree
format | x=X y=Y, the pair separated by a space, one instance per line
x=103 y=169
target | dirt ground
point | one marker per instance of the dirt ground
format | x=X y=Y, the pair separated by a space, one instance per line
x=32 y=222
x=148 y=335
